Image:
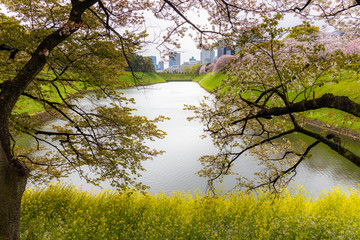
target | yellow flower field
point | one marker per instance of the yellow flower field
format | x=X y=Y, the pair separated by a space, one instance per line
x=64 y=212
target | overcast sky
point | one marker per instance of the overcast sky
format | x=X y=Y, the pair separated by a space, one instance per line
x=155 y=27
x=188 y=47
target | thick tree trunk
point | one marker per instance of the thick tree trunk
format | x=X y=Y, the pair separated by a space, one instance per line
x=12 y=185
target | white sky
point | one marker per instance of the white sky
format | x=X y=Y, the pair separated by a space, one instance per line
x=188 y=46
x=156 y=27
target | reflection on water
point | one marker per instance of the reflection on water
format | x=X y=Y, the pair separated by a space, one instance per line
x=176 y=169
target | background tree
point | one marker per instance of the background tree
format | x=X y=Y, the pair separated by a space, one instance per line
x=138 y=63
x=186 y=69
x=51 y=49
x=194 y=68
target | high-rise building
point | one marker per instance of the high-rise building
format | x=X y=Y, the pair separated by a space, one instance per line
x=223 y=49
x=153 y=60
x=161 y=65
x=174 y=59
x=206 y=56
x=229 y=51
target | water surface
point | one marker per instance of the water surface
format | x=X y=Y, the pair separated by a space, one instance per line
x=176 y=169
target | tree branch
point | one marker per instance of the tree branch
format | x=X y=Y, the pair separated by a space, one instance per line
x=297 y=9
x=13 y=51
x=328 y=100
x=11 y=90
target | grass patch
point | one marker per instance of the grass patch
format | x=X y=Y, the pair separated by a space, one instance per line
x=176 y=76
x=60 y=212
x=210 y=81
x=141 y=78
x=348 y=86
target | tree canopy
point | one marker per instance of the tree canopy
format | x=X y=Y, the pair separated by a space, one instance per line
x=92 y=57
x=269 y=84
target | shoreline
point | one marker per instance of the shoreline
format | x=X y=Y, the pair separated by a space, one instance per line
x=344 y=132
x=43 y=116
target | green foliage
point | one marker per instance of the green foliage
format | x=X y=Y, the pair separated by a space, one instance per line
x=194 y=68
x=73 y=52
x=138 y=63
x=140 y=78
x=60 y=212
x=303 y=32
x=186 y=69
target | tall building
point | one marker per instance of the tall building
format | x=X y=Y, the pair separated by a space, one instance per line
x=174 y=59
x=206 y=56
x=224 y=50
x=153 y=60
x=229 y=51
x=161 y=65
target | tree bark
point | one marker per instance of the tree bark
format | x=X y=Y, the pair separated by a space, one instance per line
x=13 y=180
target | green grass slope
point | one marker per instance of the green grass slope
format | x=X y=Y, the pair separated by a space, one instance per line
x=140 y=78
x=176 y=76
x=349 y=86
x=210 y=81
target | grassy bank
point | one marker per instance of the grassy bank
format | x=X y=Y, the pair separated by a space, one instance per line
x=141 y=78
x=210 y=81
x=60 y=212
x=349 y=86
x=176 y=76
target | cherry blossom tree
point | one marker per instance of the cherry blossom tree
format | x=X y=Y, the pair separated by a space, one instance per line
x=260 y=104
x=222 y=62
x=50 y=51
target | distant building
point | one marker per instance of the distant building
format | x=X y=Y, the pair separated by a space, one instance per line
x=206 y=56
x=175 y=69
x=153 y=60
x=223 y=49
x=161 y=66
x=229 y=51
x=174 y=59
x=192 y=59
